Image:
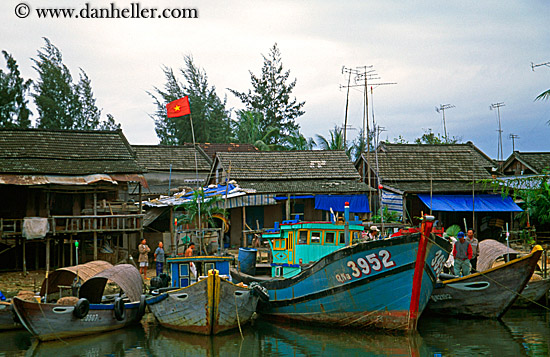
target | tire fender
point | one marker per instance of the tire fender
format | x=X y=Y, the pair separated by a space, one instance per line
x=119 y=309
x=142 y=306
x=81 y=308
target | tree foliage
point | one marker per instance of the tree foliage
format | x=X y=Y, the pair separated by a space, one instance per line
x=534 y=191
x=61 y=103
x=211 y=120
x=14 y=112
x=429 y=137
x=201 y=206
x=271 y=96
x=336 y=141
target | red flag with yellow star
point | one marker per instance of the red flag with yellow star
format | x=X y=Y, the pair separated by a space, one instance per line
x=178 y=108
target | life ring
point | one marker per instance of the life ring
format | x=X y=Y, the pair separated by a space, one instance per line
x=81 y=308
x=119 y=309
x=142 y=305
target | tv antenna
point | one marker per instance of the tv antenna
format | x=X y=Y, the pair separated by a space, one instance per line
x=441 y=109
x=513 y=137
x=533 y=66
x=499 y=146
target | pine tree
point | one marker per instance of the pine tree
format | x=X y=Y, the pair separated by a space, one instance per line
x=14 y=112
x=211 y=120
x=55 y=97
x=271 y=96
x=61 y=103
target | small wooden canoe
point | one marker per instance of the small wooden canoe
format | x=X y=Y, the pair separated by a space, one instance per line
x=49 y=321
x=533 y=292
x=487 y=294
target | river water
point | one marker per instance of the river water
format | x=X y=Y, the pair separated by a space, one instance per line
x=522 y=332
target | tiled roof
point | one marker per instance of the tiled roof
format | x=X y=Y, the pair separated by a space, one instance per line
x=288 y=165
x=436 y=186
x=212 y=148
x=182 y=158
x=305 y=186
x=65 y=152
x=411 y=167
x=538 y=161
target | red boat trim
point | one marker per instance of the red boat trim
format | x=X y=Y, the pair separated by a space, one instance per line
x=418 y=273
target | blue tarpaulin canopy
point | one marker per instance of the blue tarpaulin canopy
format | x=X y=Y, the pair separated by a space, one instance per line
x=357 y=203
x=461 y=203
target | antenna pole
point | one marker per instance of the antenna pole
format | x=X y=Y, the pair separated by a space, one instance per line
x=442 y=108
x=499 y=146
x=513 y=137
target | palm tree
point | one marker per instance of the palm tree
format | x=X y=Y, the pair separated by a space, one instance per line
x=198 y=203
x=336 y=141
x=248 y=130
x=543 y=95
x=296 y=141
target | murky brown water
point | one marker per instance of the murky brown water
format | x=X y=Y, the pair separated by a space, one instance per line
x=521 y=333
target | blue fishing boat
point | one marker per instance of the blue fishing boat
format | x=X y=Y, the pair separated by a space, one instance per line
x=381 y=284
x=204 y=301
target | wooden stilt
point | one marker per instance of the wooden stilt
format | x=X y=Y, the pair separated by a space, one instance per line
x=243 y=241
x=47 y=254
x=71 y=250
x=95 y=226
x=24 y=257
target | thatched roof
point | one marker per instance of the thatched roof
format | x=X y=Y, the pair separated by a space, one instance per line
x=126 y=276
x=65 y=276
x=489 y=251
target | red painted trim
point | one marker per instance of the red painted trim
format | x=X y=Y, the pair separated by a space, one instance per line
x=418 y=272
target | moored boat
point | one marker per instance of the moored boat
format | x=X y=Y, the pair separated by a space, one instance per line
x=207 y=304
x=92 y=313
x=8 y=319
x=486 y=294
x=533 y=292
x=382 y=284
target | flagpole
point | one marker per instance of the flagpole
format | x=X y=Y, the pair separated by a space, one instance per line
x=196 y=180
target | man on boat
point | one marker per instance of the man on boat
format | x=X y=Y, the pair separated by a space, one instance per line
x=373 y=233
x=475 y=248
x=143 y=259
x=159 y=258
x=462 y=253
x=189 y=253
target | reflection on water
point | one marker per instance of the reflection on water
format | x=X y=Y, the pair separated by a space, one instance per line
x=522 y=333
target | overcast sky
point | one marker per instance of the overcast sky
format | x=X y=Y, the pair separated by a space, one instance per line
x=469 y=54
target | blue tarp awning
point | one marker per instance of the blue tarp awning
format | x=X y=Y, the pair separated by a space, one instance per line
x=357 y=203
x=462 y=203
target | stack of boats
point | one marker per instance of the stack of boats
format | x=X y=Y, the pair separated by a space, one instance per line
x=318 y=276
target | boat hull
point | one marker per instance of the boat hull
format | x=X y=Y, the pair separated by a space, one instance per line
x=7 y=317
x=52 y=322
x=533 y=292
x=208 y=307
x=488 y=294
x=367 y=285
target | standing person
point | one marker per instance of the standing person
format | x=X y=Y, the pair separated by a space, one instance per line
x=189 y=253
x=159 y=258
x=143 y=259
x=462 y=253
x=475 y=248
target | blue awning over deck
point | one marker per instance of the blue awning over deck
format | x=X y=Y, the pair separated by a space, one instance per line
x=357 y=203
x=463 y=203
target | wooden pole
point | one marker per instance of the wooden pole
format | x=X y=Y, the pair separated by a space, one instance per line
x=288 y=206
x=140 y=212
x=172 y=235
x=71 y=250
x=243 y=242
x=47 y=254
x=36 y=255
x=95 y=226
x=24 y=257
x=62 y=247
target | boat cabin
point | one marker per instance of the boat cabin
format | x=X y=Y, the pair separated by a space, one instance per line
x=295 y=244
x=188 y=270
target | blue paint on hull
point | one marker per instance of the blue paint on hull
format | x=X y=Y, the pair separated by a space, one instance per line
x=367 y=284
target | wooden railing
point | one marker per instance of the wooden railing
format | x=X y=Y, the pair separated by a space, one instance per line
x=106 y=223
x=78 y=224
